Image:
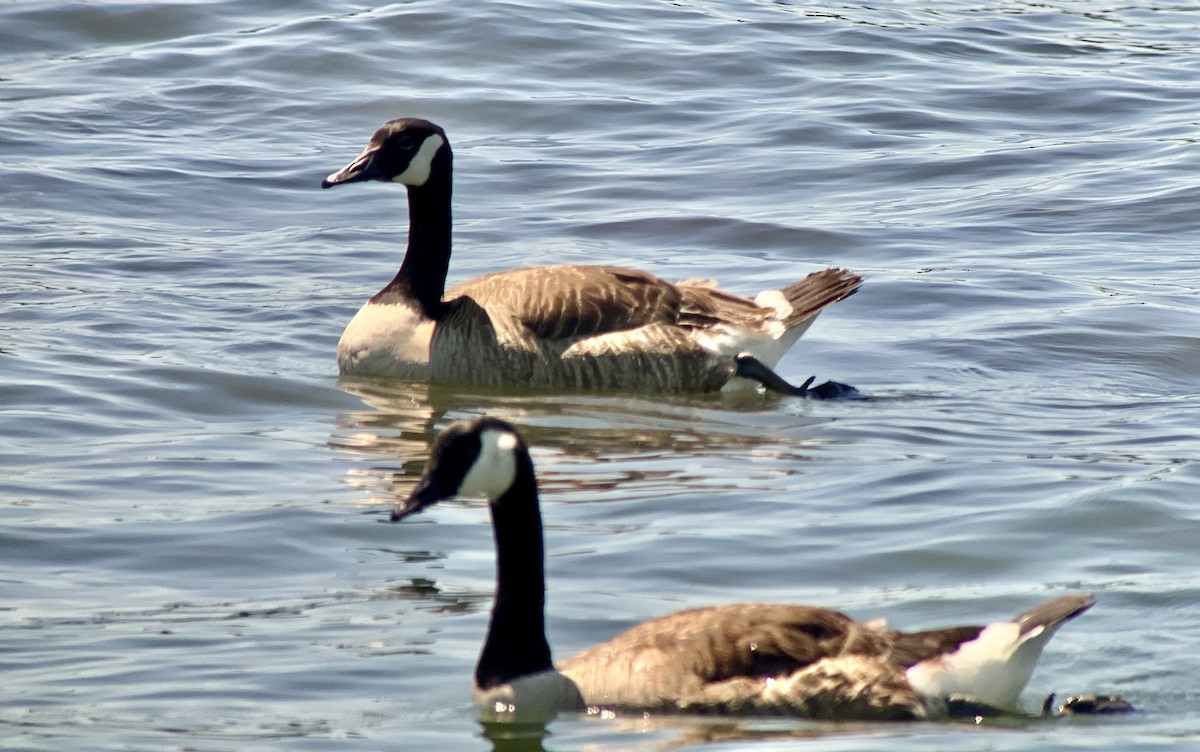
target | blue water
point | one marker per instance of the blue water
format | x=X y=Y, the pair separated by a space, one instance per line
x=190 y=549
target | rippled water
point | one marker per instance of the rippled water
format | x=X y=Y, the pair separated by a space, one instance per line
x=189 y=552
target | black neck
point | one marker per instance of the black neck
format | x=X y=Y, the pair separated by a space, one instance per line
x=516 y=642
x=422 y=275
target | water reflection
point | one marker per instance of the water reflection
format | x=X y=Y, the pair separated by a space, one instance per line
x=515 y=737
x=442 y=600
x=672 y=732
x=680 y=732
x=628 y=443
x=667 y=732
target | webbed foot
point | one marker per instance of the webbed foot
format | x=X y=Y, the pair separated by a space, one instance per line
x=750 y=367
x=1088 y=704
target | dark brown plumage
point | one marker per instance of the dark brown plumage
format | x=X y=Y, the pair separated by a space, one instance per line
x=575 y=327
x=741 y=658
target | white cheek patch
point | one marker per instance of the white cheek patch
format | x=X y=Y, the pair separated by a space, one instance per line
x=494 y=471
x=421 y=165
x=506 y=441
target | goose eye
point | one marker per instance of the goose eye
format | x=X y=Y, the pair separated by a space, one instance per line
x=404 y=141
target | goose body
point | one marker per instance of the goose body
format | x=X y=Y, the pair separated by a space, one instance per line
x=565 y=326
x=743 y=658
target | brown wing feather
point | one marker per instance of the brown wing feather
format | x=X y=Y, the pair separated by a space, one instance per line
x=914 y=647
x=706 y=305
x=569 y=302
x=576 y=301
x=580 y=326
x=683 y=656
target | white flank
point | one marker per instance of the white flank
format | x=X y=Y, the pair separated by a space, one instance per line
x=991 y=669
x=495 y=469
x=386 y=340
x=768 y=344
x=536 y=698
x=421 y=165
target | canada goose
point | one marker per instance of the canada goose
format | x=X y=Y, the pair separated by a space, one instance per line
x=743 y=658
x=577 y=326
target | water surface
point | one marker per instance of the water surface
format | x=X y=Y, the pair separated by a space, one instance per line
x=191 y=547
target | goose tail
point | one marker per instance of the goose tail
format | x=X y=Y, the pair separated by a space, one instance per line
x=995 y=666
x=816 y=292
x=795 y=309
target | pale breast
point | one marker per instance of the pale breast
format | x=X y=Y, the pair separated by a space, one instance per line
x=386 y=340
x=535 y=698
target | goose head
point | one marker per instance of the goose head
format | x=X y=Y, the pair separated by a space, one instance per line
x=406 y=151
x=482 y=457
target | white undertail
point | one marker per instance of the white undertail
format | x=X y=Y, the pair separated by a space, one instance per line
x=991 y=669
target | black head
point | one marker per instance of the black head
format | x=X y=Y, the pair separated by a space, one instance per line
x=402 y=151
x=478 y=457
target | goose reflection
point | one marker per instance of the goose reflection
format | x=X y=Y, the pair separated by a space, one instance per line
x=515 y=737
x=590 y=446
